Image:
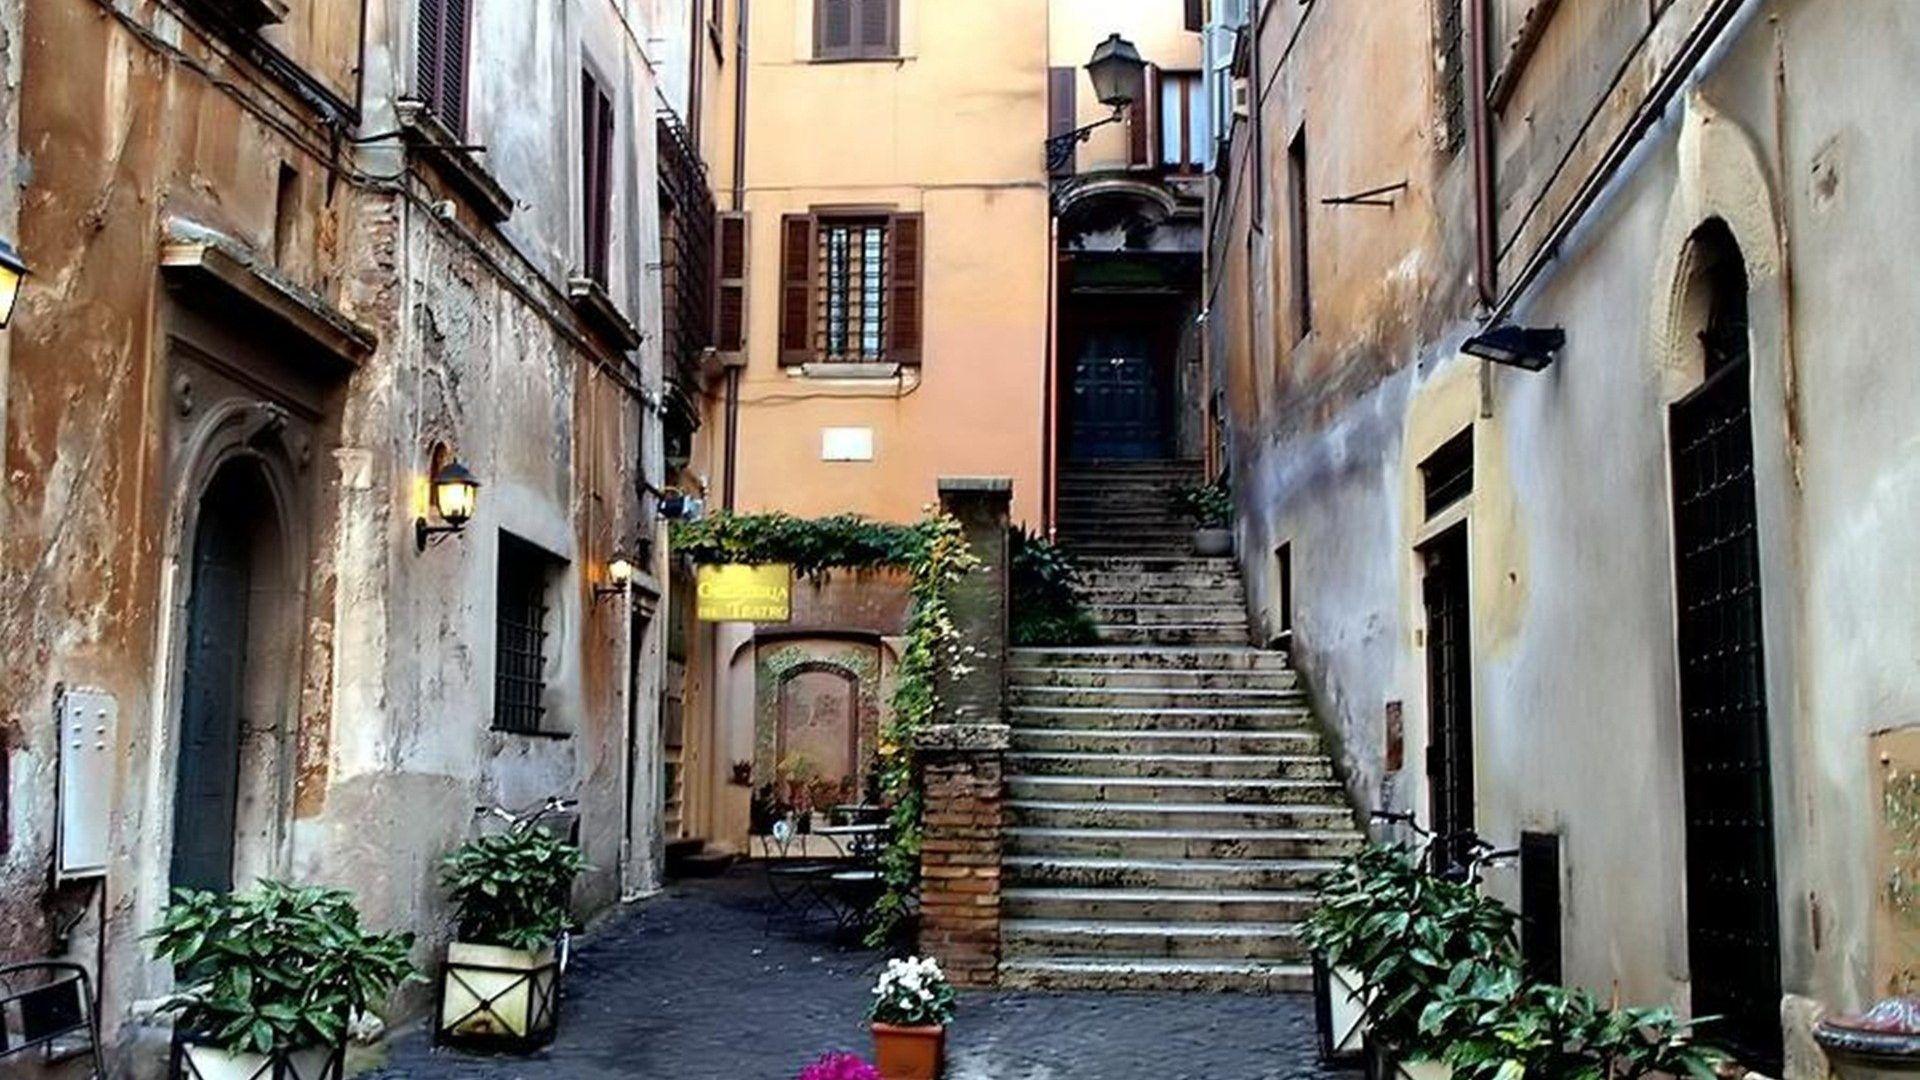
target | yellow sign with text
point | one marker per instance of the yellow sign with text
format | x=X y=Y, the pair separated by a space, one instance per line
x=735 y=593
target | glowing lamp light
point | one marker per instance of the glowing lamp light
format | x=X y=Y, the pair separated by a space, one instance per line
x=12 y=270
x=456 y=492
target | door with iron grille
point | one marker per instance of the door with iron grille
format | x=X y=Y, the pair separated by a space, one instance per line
x=1449 y=691
x=1733 y=920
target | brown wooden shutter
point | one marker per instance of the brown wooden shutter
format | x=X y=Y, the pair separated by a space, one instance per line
x=796 y=288
x=1062 y=114
x=905 y=328
x=1196 y=14
x=730 y=285
x=441 y=60
x=876 y=29
x=833 y=28
x=596 y=176
x=1143 y=128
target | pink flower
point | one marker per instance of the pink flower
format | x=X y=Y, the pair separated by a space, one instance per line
x=840 y=1067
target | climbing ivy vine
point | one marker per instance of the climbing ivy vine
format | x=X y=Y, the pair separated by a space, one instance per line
x=934 y=552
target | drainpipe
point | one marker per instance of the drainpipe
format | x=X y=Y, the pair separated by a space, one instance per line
x=1050 y=422
x=739 y=202
x=1480 y=121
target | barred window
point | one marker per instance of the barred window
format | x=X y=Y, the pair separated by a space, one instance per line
x=521 y=611
x=850 y=288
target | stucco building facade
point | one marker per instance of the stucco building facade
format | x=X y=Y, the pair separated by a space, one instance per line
x=1647 y=609
x=289 y=261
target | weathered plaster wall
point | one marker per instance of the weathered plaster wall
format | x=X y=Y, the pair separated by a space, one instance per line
x=1576 y=710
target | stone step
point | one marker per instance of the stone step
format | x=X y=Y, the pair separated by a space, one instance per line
x=1161 y=564
x=1246 y=793
x=1024 y=938
x=1110 y=741
x=1169 y=657
x=1167 y=614
x=1199 y=585
x=1155 y=697
x=1155 y=679
x=1121 y=872
x=1106 y=973
x=1197 y=816
x=1240 y=718
x=1215 y=595
x=1170 y=766
x=1156 y=905
x=1210 y=841
x=1202 y=634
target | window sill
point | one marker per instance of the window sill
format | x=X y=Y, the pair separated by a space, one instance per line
x=455 y=163
x=549 y=736
x=591 y=302
x=855 y=372
x=897 y=58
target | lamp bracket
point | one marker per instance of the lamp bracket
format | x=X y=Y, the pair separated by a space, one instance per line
x=1060 y=147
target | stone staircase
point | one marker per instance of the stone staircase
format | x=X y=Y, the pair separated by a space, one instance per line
x=1170 y=801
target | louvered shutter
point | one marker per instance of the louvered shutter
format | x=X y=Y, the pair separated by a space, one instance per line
x=876 y=29
x=730 y=286
x=833 y=28
x=596 y=174
x=1196 y=14
x=441 y=60
x=1062 y=84
x=905 y=316
x=1143 y=128
x=796 y=288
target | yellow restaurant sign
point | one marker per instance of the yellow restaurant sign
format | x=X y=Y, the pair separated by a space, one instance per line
x=735 y=593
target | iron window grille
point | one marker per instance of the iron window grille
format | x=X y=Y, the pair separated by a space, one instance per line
x=520 y=638
x=853 y=259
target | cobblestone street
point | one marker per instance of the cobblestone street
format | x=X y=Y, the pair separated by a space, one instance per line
x=688 y=986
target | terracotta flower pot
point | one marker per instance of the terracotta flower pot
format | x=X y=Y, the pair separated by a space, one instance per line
x=909 y=1053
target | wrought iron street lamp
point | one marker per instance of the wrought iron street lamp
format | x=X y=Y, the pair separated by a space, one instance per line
x=1119 y=79
x=12 y=270
x=619 y=577
x=455 y=493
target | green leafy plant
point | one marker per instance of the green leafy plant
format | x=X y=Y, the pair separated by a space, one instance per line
x=511 y=888
x=1047 y=607
x=1209 y=505
x=275 y=968
x=934 y=553
x=1496 y=1025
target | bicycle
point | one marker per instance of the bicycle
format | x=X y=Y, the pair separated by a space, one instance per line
x=553 y=807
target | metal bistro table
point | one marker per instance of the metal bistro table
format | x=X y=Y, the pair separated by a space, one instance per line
x=851 y=891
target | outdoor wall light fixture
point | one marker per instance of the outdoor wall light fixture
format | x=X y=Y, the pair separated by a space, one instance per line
x=619 y=577
x=1525 y=347
x=1119 y=79
x=12 y=270
x=454 y=493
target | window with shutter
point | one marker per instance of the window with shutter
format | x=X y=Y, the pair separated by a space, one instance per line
x=1142 y=126
x=851 y=288
x=596 y=176
x=1196 y=14
x=730 y=286
x=856 y=29
x=440 y=75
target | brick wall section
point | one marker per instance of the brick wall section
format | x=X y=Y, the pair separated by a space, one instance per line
x=960 y=853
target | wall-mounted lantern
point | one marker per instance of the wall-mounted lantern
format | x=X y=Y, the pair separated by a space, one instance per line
x=1524 y=347
x=12 y=270
x=619 y=577
x=1119 y=79
x=454 y=492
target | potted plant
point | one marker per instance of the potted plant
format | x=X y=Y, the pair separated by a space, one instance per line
x=913 y=1001
x=510 y=892
x=271 y=979
x=1210 y=506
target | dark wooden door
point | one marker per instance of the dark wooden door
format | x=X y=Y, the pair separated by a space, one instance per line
x=1449 y=693
x=213 y=684
x=1117 y=407
x=1733 y=917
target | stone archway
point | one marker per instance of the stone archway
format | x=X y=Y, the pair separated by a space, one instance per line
x=233 y=674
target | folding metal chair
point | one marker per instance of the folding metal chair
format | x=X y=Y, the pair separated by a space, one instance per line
x=43 y=1002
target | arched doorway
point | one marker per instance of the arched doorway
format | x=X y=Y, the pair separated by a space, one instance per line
x=1733 y=911
x=229 y=674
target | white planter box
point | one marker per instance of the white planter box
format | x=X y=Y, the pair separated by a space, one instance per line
x=1424 y=1070
x=199 y=1062
x=493 y=992
x=1346 y=1010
